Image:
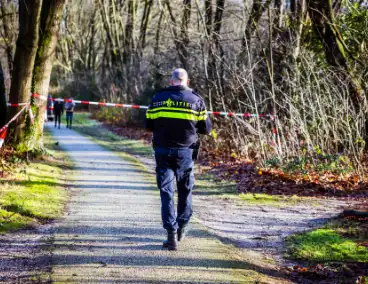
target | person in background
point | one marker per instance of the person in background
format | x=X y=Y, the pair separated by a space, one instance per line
x=49 y=108
x=69 y=109
x=58 y=111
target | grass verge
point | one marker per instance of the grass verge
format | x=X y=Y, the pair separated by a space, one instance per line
x=339 y=241
x=125 y=148
x=33 y=193
x=206 y=184
x=83 y=124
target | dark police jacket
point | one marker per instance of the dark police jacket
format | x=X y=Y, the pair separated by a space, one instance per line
x=175 y=116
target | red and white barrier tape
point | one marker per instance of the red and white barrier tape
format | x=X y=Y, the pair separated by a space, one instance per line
x=2 y=137
x=4 y=129
x=14 y=118
x=221 y=113
x=17 y=105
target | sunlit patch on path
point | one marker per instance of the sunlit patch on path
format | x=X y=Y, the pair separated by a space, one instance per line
x=112 y=231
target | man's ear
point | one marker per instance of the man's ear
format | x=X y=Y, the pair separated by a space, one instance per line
x=188 y=81
x=171 y=83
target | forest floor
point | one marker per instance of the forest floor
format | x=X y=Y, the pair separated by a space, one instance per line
x=105 y=235
x=32 y=195
x=255 y=222
x=112 y=230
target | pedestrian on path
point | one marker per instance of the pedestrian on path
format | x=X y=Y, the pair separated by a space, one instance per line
x=176 y=116
x=69 y=108
x=58 y=111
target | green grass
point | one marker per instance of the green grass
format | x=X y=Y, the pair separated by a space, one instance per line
x=125 y=148
x=327 y=245
x=206 y=184
x=83 y=124
x=33 y=193
x=267 y=199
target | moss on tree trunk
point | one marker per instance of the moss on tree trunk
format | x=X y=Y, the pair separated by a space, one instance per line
x=51 y=15
x=3 y=106
x=29 y=16
x=324 y=24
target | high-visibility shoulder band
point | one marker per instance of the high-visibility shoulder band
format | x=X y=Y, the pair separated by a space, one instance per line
x=177 y=115
x=178 y=110
x=154 y=110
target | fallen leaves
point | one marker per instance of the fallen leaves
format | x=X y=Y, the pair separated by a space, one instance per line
x=320 y=273
x=250 y=178
x=227 y=164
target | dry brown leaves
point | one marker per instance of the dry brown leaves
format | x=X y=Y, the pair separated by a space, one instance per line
x=273 y=181
x=331 y=273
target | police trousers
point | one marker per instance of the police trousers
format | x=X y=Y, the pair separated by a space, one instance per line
x=175 y=165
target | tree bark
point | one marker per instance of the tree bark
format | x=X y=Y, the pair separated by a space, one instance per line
x=7 y=37
x=218 y=71
x=177 y=40
x=257 y=11
x=298 y=30
x=158 y=32
x=279 y=13
x=3 y=106
x=323 y=20
x=185 y=24
x=27 y=42
x=51 y=15
x=208 y=16
x=144 y=23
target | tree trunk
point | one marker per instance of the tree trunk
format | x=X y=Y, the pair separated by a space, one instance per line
x=158 y=32
x=177 y=40
x=299 y=18
x=51 y=15
x=257 y=11
x=208 y=16
x=185 y=24
x=3 y=106
x=279 y=13
x=129 y=57
x=216 y=52
x=7 y=37
x=144 y=23
x=293 y=6
x=322 y=16
x=29 y=17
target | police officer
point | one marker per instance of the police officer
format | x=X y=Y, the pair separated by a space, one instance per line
x=175 y=116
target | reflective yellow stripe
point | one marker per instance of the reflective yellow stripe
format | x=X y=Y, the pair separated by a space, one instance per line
x=178 y=115
x=179 y=109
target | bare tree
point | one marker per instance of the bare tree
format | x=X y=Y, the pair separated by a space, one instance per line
x=3 y=101
x=51 y=15
x=322 y=15
x=27 y=42
x=258 y=9
x=7 y=14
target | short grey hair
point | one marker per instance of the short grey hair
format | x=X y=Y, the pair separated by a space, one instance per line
x=179 y=75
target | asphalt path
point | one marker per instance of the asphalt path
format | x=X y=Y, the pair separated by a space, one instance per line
x=112 y=233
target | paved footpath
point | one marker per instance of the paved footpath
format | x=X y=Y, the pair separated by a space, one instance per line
x=111 y=231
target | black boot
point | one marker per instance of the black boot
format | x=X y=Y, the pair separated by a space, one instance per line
x=182 y=232
x=172 y=241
